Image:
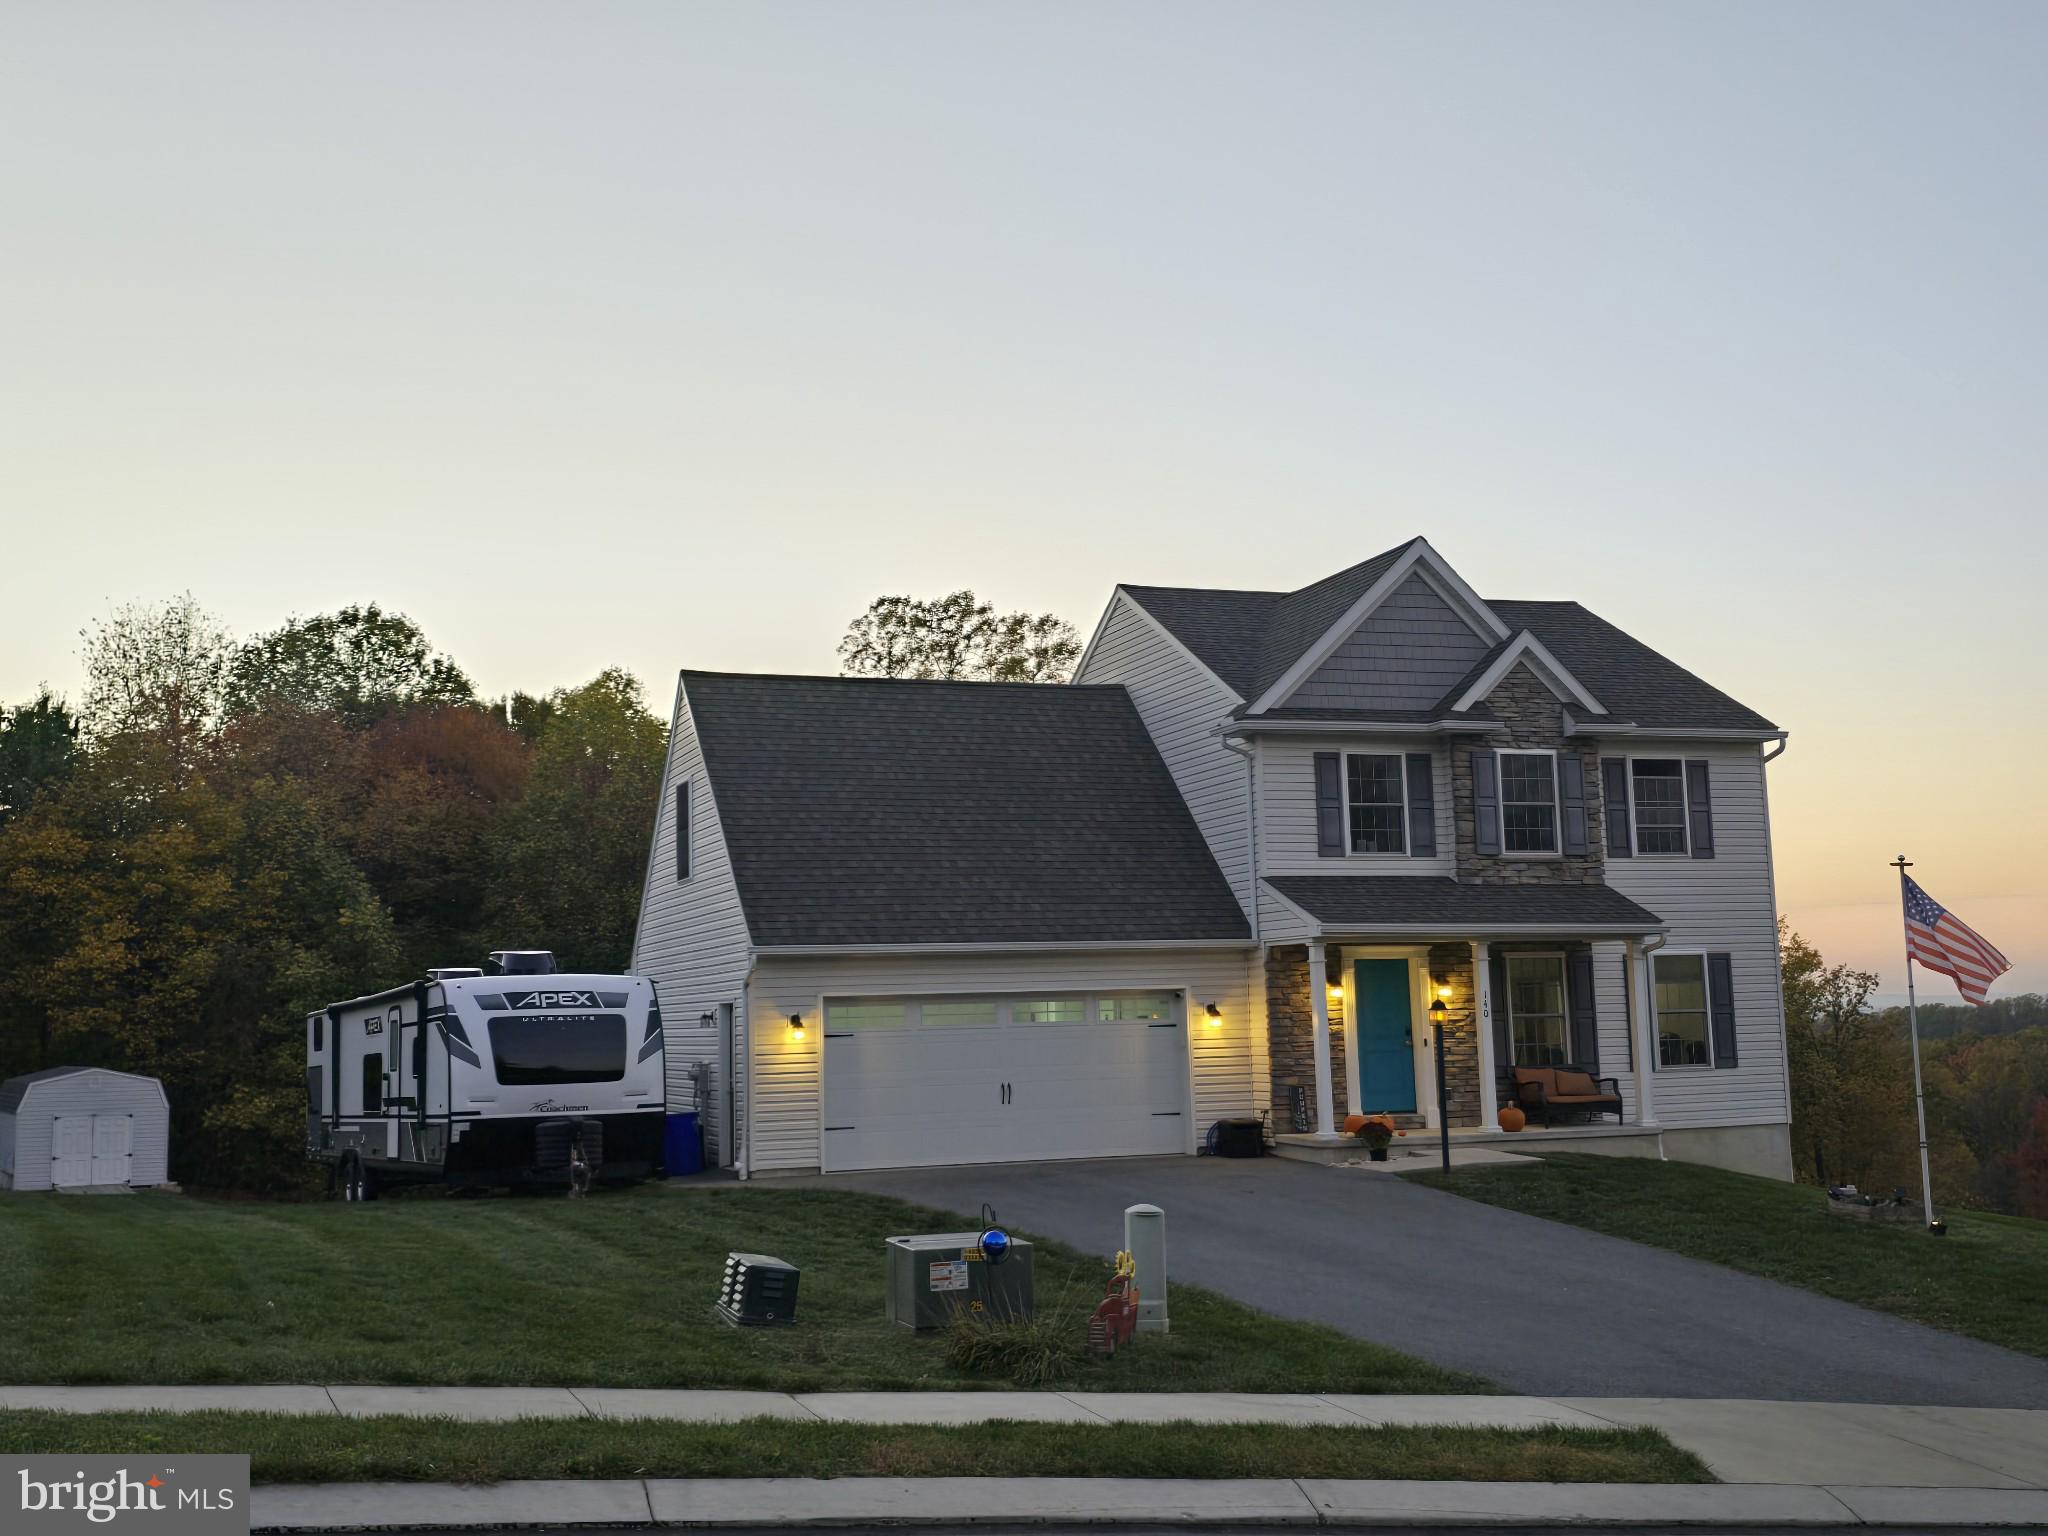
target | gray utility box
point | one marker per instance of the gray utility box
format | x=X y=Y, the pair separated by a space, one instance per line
x=935 y=1276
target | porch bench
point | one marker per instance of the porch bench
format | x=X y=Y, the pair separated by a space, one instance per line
x=1543 y=1091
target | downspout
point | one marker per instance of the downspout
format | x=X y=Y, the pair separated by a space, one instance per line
x=1251 y=809
x=743 y=1123
x=1771 y=884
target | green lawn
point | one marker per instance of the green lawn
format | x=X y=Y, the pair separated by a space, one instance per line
x=292 y=1449
x=1988 y=1278
x=611 y=1291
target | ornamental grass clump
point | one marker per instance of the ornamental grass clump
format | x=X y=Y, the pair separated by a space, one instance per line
x=1030 y=1351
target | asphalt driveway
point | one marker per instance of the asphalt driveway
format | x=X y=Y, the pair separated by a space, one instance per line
x=1534 y=1305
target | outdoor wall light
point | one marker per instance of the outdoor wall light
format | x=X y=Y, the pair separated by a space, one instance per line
x=1439 y=1012
x=1215 y=1016
x=1443 y=985
x=796 y=1027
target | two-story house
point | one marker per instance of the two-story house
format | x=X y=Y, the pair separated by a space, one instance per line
x=1227 y=871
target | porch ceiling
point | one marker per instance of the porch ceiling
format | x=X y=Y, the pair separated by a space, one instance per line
x=1411 y=904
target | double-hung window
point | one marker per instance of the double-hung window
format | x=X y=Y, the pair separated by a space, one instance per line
x=1376 y=802
x=1538 y=1028
x=1658 y=788
x=1528 y=802
x=1679 y=983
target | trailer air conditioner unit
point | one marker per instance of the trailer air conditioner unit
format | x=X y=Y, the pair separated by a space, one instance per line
x=940 y=1274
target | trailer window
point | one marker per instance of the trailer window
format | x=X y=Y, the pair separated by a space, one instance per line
x=373 y=1084
x=530 y=1049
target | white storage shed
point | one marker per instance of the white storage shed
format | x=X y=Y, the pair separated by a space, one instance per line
x=74 y=1127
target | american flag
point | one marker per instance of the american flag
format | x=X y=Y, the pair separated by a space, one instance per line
x=1942 y=942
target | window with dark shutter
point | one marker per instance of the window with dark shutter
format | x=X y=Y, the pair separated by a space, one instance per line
x=1700 y=808
x=1614 y=795
x=683 y=830
x=1585 y=1013
x=1329 y=805
x=1374 y=802
x=1421 y=806
x=1721 y=1000
x=1485 y=802
x=1658 y=784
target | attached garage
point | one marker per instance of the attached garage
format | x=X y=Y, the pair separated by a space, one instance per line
x=83 y=1127
x=1000 y=1078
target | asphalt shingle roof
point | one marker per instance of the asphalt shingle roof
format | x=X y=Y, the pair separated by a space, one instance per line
x=1250 y=638
x=1369 y=901
x=15 y=1089
x=865 y=811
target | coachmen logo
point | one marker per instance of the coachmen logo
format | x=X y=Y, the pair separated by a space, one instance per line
x=552 y=999
x=550 y=1107
x=193 y=1496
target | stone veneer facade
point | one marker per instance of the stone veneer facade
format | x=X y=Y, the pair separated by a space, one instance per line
x=1290 y=1031
x=1533 y=718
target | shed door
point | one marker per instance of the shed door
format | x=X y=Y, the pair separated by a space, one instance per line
x=113 y=1146
x=71 y=1151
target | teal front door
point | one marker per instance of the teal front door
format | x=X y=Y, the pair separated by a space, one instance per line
x=1386 y=1055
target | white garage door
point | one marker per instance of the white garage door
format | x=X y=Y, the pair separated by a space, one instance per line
x=988 y=1079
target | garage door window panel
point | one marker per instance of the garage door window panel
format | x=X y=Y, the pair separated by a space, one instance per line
x=1138 y=1007
x=1050 y=1010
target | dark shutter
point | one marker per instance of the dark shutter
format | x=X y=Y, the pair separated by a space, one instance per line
x=1503 y=1043
x=1571 y=783
x=1614 y=790
x=1421 y=806
x=1721 y=1005
x=1628 y=1004
x=1330 y=805
x=1578 y=979
x=1485 y=801
x=1701 y=804
x=683 y=830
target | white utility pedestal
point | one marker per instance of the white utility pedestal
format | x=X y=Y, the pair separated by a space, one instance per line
x=1145 y=1241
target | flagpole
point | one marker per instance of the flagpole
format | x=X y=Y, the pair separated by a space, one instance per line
x=1913 y=1032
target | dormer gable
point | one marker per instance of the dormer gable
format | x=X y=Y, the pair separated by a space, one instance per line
x=1405 y=656
x=1305 y=644
x=1526 y=653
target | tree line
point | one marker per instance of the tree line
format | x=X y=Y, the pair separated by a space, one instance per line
x=225 y=835
x=1985 y=1071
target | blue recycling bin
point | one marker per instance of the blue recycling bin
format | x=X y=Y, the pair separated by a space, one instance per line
x=682 y=1145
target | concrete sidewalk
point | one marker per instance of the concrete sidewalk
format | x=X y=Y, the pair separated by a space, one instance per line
x=1743 y=1442
x=792 y=1503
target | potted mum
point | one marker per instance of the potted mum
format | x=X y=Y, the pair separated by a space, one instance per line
x=1375 y=1131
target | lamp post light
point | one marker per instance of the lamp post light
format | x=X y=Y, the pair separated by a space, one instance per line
x=1439 y=1016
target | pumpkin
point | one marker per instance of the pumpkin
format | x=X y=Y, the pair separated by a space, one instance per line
x=1352 y=1123
x=1512 y=1118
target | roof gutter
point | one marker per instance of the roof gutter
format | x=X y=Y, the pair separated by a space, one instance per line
x=1259 y=725
x=1672 y=732
x=1452 y=932
x=1070 y=946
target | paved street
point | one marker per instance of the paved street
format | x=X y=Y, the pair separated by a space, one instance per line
x=1534 y=1305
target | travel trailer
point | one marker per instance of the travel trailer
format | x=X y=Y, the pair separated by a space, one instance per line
x=511 y=1074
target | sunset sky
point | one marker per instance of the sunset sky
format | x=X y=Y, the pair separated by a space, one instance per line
x=673 y=333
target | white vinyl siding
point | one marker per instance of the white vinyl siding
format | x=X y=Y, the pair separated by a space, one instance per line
x=692 y=938
x=1722 y=903
x=1181 y=704
x=1287 y=810
x=28 y=1136
x=1224 y=1059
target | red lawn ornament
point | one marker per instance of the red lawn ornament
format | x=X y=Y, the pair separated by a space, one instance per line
x=1116 y=1319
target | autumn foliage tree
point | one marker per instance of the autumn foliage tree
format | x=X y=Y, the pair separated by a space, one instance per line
x=241 y=834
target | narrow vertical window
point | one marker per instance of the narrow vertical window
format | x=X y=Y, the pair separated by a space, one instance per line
x=1679 y=988
x=1378 y=806
x=1659 y=785
x=683 y=830
x=1528 y=802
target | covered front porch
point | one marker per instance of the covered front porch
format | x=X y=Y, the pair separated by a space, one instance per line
x=1544 y=978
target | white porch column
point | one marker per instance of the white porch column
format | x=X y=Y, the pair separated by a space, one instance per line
x=1482 y=1025
x=1319 y=1010
x=1642 y=1029
x=1354 y=1081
